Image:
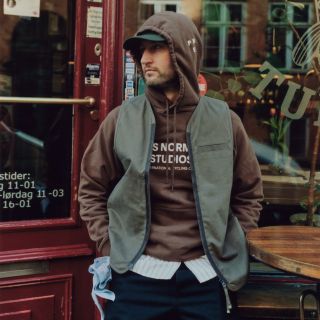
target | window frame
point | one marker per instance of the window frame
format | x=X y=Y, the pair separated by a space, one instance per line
x=223 y=26
x=289 y=64
x=159 y=6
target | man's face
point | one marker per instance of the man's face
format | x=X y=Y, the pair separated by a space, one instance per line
x=156 y=64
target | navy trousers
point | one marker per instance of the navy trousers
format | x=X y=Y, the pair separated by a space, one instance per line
x=180 y=298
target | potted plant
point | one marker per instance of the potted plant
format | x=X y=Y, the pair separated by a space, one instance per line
x=279 y=125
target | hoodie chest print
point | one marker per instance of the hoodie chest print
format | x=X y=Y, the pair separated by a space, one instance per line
x=164 y=154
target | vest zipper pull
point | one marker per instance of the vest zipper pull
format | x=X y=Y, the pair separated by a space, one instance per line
x=226 y=293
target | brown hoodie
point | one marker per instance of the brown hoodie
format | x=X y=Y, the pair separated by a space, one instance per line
x=174 y=233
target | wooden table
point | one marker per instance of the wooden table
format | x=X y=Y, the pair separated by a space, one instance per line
x=294 y=249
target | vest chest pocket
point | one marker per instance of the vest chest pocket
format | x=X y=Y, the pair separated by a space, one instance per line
x=215 y=162
x=217 y=150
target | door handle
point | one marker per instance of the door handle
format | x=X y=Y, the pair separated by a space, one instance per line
x=87 y=101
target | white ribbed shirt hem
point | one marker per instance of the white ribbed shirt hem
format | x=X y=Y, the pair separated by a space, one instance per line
x=151 y=267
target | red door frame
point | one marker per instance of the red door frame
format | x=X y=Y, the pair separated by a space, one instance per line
x=112 y=59
x=110 y=93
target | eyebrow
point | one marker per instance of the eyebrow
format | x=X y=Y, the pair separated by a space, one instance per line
x=161 y=44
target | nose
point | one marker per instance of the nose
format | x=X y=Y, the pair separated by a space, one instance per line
x=146 y=57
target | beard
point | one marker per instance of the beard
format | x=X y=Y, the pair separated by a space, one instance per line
x=162 y=80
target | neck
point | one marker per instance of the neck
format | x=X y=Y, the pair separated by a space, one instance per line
x=171 y=94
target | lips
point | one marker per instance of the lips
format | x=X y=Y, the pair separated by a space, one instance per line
x=149 y=70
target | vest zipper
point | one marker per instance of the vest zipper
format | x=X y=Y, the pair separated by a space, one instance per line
x=226 y=293
x=201 y=227
x=148 y=201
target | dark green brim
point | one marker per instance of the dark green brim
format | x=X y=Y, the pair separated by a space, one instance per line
x=133 y=42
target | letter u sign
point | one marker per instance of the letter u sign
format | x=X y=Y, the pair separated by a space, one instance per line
x=293 y=87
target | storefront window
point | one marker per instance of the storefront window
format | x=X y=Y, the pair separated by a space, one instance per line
x=262 y=58
x=148 y=8
x=223 y=31
x=35 y=140
x=286 y=24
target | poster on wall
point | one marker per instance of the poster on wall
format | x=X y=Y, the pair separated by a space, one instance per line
x=94 y=22
x=25 y=8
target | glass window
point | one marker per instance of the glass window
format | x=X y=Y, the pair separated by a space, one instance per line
x=277 y=13
x=235 y=12
x=212 y=12
x=302 y=15
x=211 y=55
x=233 y=49
x=276 y=49
x=171 y=7
x=35 y=140
x=149 y=7
x=226 y=20
x=243 y=41
x=287 y=24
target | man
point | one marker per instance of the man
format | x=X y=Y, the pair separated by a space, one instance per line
x=166 y=185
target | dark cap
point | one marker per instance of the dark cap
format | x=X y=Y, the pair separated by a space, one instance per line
x=133 y=42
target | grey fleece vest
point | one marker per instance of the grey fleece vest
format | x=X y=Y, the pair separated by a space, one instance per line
x=210 y=145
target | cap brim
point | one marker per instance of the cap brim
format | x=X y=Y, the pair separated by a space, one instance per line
x=133 y=42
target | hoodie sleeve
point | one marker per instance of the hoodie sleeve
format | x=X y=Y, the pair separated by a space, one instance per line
x=100 y=171
x=247 y=182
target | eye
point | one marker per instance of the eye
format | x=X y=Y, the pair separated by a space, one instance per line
x=157 y=46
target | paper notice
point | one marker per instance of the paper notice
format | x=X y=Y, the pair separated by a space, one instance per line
x=26 y=8
x=94 y=22
x=92 y=74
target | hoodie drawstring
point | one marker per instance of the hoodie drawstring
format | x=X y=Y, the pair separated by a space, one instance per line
x=174 y=145
x=167 y=140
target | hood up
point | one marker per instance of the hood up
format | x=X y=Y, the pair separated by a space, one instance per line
x=185 y=47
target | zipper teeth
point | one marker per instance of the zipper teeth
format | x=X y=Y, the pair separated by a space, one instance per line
x=199 y=215
x=148 y=202
x=228 y=301
x=201 y=228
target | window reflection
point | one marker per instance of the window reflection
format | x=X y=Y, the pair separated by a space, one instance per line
x=35 y=140
x=223 y=26
x=238 y=38
x=286 y=25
